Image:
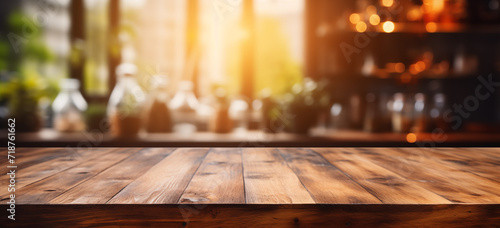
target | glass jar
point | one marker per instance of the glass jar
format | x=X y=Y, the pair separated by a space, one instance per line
x=68 y=107
x=126 y=103
x=184 y=106
x=159 y=118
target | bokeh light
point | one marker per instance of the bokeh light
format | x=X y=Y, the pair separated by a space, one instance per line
x=431 y=27
x=354 y=18
x=388 y=26
x=361 y=27
x=374 y=19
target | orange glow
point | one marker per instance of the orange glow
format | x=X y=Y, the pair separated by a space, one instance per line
x=399 y=67
x=434 y=6
x=374 y=19
x=354 y=18
x=387 y=3
x=420 y=66
x=405 y=78
x=413 y=69
x=431 y=27
x=388 y=26
x=361 y=27
x=371 y=9
x=390 y=67
x=411 y=137
x=414 y=14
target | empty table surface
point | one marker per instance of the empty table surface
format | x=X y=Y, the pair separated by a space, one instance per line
x=372 y=180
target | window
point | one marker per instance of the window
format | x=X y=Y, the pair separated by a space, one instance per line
x=96 y=47
x=279 y=44
x=152 y=34
x=157 y=36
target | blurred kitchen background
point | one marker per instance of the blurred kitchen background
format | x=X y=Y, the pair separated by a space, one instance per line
x=251 y=72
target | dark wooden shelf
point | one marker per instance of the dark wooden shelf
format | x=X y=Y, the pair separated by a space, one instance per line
x=349 y=76
x=419 y=28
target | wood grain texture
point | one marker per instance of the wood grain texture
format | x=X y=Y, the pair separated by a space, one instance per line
x=105 y=185
x=325 y=182
x=218 y=180
x=387 y=186
x=466 y=160
x=47 y=168
x=437 y=178
x=259 y=176
x=457 y=174
x=259 y=187
x=256 y=215
x=45 y=190
x=269 y=180
x=165 y=182
x=31 y=156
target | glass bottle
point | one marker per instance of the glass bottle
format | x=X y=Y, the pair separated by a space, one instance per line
x=68 y=107
x=371 y=114
x=126 y=103
x=239 y=113
x=420 y=114
x=256 y=115
x=439 y=106
x=384 y=112
x=184 y=106
x=159 y=118
x=270 y=113
x=221 y=121
x=401 y=113
x=336 y=114
x=205 y=113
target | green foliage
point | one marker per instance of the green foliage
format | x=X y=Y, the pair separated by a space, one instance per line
x=26 y=86
x=275 y=67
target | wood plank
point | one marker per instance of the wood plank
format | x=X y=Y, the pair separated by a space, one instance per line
x=102 y=187
x=268 y=179
x=493 y=153
x=20 y=150
x=475 y=162
x=325 y=182
x=48 y=168
x=458 y=173
x=458 y=187
x=387 y=186
x=45 y=167
x=45 y=190
x=26 y=157
x=256 y=215
x=164 y=182
x=489 y=154
x=218 y=180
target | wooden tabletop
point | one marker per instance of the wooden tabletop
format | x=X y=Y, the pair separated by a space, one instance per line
x=455 y=180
